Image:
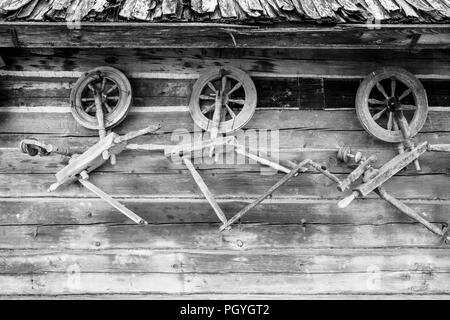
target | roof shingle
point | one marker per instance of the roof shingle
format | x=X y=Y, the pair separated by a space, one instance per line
x=235 y=11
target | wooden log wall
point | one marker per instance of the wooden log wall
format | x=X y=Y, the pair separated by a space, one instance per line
x=298 y=244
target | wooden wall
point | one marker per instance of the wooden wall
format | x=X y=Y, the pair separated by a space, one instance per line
x=296 y=245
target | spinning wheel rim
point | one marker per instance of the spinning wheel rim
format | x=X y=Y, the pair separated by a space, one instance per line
x=241 y=118
x=369 y=84
x=118 y=111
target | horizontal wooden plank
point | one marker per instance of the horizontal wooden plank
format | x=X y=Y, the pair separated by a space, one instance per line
x=223 y=185
x=47 y=211
x=172 y=35
x=301 y=93
x=187 y=64
x=207 y=237
x=309 y=284
x=310 y=261
x=339 y=120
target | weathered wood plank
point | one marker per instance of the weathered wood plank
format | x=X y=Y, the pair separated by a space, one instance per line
x=191 y=62
x=425 y=282
x=310 y=261
x=63 y=123
x=157 y=35
x=232 y=184
x=207 y=237
x=302 y=93
x=47 y=211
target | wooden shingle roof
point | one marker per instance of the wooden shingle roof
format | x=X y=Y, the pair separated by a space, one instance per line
x=235 y=11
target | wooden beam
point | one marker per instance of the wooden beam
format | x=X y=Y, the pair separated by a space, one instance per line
x=177 y=35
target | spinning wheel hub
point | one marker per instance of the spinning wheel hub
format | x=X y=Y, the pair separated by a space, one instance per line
x=393 y=104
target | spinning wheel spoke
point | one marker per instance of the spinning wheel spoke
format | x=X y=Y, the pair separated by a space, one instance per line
x=115 y=98
x=208 y=108
x=379 y=114
x=91 y=87
x=89 y=108
x=381 y=89
x=405 y=93
x=375 y=101
x=87 y=99
x=408 y=107
x=393 y=85
x=211 y=86
x=107 y=107
x=238 y=101
x=236 y=87
x=114 y=87
x=230 y=111
x=206 y=97
x=103 y=84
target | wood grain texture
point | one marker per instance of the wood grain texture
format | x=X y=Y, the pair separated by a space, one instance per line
x=189 y=63
x=298 y=244
x=289 y=261
x=129 y=35
x=338 y=120
x=49 y=211
x=233 y=184
x=205 y=237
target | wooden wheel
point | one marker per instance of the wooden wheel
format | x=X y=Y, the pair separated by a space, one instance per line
x=229 y=89
x=115 y=92
x=382 y=93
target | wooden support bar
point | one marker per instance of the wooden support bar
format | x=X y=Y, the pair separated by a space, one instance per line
x=292 y=173
x=101 y=121
x=241 y=150
x=134 y=134
x=116 y=204
x=204 y=188
x=409 y=212
x=404 y=127
x=324 y=171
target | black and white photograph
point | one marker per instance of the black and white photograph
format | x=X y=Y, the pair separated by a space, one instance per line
x=214 y=150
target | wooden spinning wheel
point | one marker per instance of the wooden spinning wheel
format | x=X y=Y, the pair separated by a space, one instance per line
x=114 y=94
x=386 y=94
x=223 y=99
